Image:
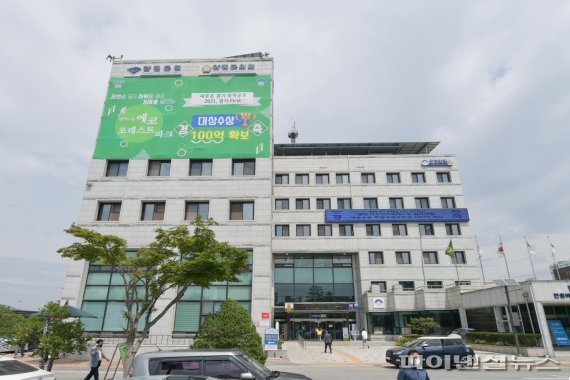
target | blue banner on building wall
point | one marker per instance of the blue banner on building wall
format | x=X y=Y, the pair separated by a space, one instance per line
x=558 y=333
x=398 y=215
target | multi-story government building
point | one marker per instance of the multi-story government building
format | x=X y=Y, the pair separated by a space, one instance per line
x=342 y=236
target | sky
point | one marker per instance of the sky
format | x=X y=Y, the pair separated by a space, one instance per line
x=490 y=80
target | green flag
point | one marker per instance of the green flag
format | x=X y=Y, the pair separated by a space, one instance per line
x=449 y=251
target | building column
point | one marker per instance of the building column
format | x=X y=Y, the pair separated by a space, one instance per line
x=463 y=318
x=543 y=328
x=498 y=311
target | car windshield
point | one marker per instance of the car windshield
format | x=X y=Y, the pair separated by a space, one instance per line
x=413 y=343
x=14 y=367
x=258 y=366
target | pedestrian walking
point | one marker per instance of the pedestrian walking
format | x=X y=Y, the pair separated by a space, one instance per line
x=328 y=342
x=413 y=370
x=364 y=335
x=96 y=355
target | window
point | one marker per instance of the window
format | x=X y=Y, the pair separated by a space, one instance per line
x=345 y=230
x=323 y=203
x=302 y=204
x=221 y=368
x=342 y=178
x=418 y=178
x=344 y=203
x=380 y=285
x=282 y=204
x=367 y=178
x=407 y=285
x=403 y=257
x=193 y=209
x=434 y=285
x=303 y=230
x=462 y=283
x=447 y=202
x=301 y=179
x=372 y=230
x=393 y=177
x=241 y=210
x=422 y=202
x=109 y=211
x=322 y=179
x=200 y=167
x=396 y=203
x=117 y=168
x=376 y=257
x=452 y=229
x=281 y=179
x=281 y=230
x=458 y=258
x=430 y=257
x=153 y=210
x=158 y=168
x=243 y=167
x=370 y=203
x=400 y=229
x=324 y=229
x=443 y=177
x=426 y=230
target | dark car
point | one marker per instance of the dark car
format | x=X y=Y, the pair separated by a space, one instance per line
x=437 y=351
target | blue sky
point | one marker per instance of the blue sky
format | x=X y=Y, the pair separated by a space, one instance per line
x=489 y=79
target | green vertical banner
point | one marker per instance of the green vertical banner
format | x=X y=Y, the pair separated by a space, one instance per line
x=186 y=117
x=123 y=351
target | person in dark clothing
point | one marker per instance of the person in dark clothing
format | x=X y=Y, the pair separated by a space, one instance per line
x=413 y=370
x=95 y=357
x=328 y=342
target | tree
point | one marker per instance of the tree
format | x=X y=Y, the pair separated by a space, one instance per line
x=423 y=324
x=10 y=322
x=172 y=262
x=230 y=327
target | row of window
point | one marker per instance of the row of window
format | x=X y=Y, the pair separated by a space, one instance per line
x=368 y=203
x=410 y=285
x=373 y=229
x=365 y=178
x=428 y=257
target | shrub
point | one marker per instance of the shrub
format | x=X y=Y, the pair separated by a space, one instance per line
x=406 y=339
x=503 y=339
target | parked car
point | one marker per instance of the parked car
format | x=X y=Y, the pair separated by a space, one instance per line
x=5 y=347
x=436 y=351
x=214 y=363
x=12 y=369
x=172 y=377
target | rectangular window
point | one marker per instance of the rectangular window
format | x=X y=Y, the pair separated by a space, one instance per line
x=117 y=168
x=302 y=204
x=193 y=209
x=372 y=230
x=281 y=179
x=344 y=203
x=422 y=202
x=434 y=285
x=322 y=179
x=345 y=230
x=447 y=202
x=153 y=210
x=109 y=211
x=282 y=204
x=376 y=257
x=400 y=229
x=462 y=283
x=324 y=229
x=201 y=167
x=407 y=285
x=380 y=285
x=452 y=229
x=370 y=203
x=393 y=177
x=281 y=230
x=426 y=230
x=430 y=257
x=303 y=230
x=367 y=178
x=342 y=178
x=396 y=203
x=241 y=210
x=158 y=168
x=301 y=179
x=243 y=167
x=418 y=178
x=323 y=203
x=443 y=177
x=403 y=257
x=458 y=258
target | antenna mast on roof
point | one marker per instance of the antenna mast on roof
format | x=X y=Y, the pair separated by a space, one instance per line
x=293 y=134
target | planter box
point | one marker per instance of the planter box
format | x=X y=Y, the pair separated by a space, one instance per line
x=509 y=350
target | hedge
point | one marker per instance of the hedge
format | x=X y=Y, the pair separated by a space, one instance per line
x=503 y=339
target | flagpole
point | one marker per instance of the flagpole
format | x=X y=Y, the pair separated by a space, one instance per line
x=553 y=258
x=480 y=260
x=505 y=257
x=528 y=248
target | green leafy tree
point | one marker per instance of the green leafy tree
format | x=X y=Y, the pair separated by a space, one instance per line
x=10 y=322
x=424 y=324
x=171 y=263
x=228 y=328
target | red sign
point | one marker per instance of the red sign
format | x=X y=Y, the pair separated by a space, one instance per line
x=264 y=315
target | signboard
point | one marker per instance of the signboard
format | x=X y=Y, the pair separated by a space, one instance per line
x=289 y=307
x=321 y=307
x=271 y=340
x=558 y=333
x=345 y=333
x=398 y=215
x=436 y=163
x=186 y=117
x=378 y=303
x=264 y=320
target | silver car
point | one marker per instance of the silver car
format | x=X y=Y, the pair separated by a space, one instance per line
x=12 y=369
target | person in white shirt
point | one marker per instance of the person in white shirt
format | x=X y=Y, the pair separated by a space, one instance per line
x=364 y=336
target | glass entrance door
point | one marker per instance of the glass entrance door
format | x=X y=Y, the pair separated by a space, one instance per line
x=307 y=328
